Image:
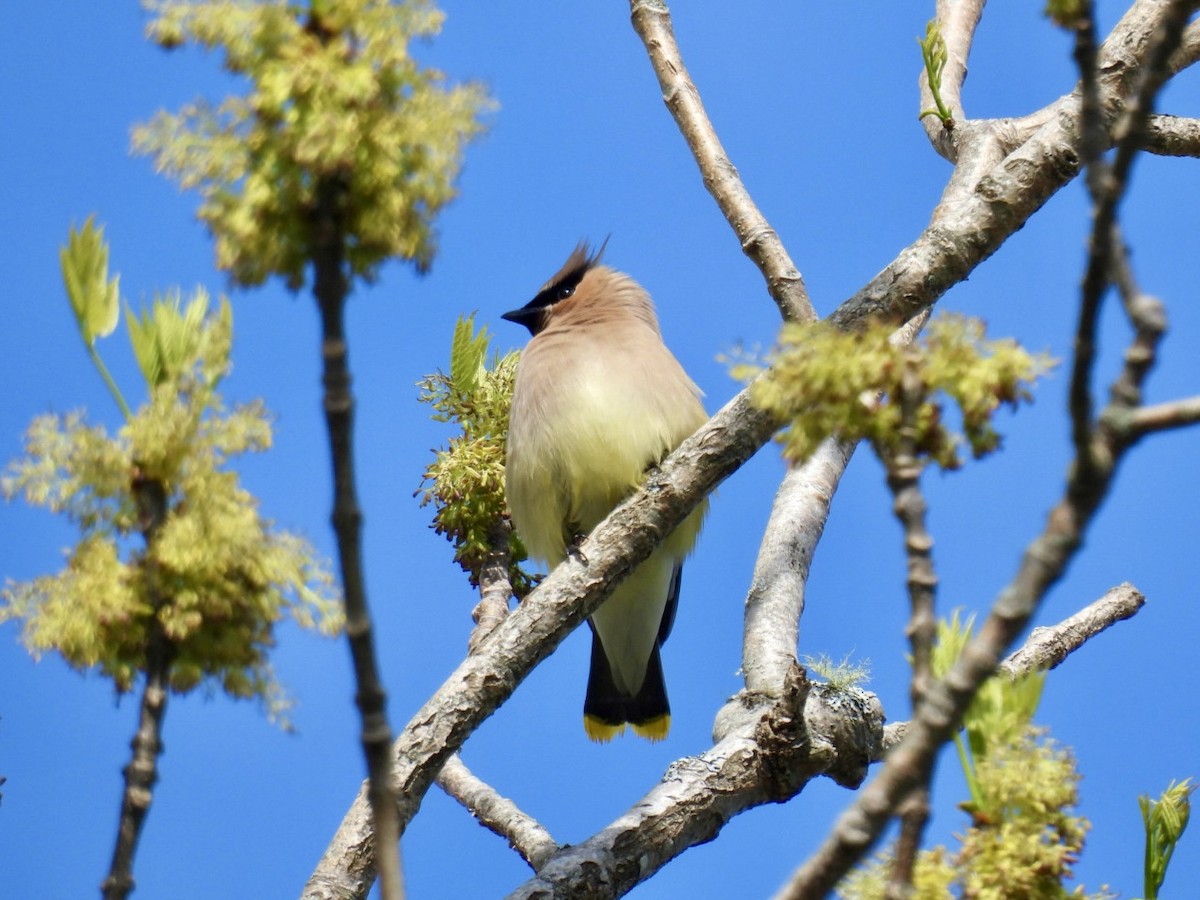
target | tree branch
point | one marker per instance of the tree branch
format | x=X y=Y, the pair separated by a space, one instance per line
x=811 y=730
x=652 y=22
x=330 y=288
x=1044 y=562
x=141 y=774
x=957 y=21
x=1172 y=136
x=908 y=504
x=497 y=814
x=698 y=795
x=1165 y=416
x=494 y=586
x=775 y=600
x=1048 y=646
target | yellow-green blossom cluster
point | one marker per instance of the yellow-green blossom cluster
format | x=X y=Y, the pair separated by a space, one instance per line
x=334 y=96
x=465 y=482
x=217 y=576
x=824 y=382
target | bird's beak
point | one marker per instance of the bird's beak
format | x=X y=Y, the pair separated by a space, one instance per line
x=529 y=316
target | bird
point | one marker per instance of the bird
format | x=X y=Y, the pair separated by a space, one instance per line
x=599 y=400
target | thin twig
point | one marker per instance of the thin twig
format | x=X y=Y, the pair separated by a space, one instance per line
x=497 y=814
x=908 y=504
x=1048 y=646
x=330 y=288
x=1093 y=140
x=141 y=774
x=652 y=22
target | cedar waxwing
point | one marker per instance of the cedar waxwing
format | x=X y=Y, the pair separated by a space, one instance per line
x=598 y=400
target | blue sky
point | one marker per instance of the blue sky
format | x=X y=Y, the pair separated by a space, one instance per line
x=816 y=105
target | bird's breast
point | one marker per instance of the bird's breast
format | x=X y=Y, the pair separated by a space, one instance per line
x=586 y=423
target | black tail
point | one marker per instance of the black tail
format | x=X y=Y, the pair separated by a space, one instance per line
x=606 y=710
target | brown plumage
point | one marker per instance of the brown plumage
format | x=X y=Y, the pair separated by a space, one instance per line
x=598 y=400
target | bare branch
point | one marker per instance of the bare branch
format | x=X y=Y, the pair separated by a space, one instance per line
x=1048 y=646
x=1172 y=136
x=1153 y=75
x=775 y=600
x=1165 y=416
x=812 y=730
x=652 y=21
x=497 y=814
x=331 y=289
x=141 y=774
x=494 y=586
x=908 y=504
x=1095 y=281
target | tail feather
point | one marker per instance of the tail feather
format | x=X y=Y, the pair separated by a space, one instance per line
x=606 y=711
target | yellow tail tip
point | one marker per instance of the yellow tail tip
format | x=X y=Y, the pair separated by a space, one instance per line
x=599 y=731
x=655 y=729
x=602 y=732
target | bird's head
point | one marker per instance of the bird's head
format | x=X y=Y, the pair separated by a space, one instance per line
x=584 y=292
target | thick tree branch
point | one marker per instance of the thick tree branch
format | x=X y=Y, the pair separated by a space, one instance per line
x=1172 y=136
x=775 y=600
x=497 y=814
x=330 y=288
x=811 y=730
x=698 y=795
x=652 y=21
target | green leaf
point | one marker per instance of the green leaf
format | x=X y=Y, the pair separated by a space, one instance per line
x=1165 y=820
x=145 y=345
x=94 y=299
x=467 y=353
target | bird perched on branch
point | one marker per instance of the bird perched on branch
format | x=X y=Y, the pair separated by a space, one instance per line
x=598 y=400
